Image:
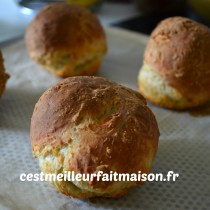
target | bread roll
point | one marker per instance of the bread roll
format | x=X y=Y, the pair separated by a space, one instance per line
x=67 y=40
x=3 y=75
x=89 y=124
x=176 y=69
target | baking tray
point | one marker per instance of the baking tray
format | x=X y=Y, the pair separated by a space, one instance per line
x=184 y=142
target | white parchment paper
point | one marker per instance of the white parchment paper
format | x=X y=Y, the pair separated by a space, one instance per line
x=184 y=143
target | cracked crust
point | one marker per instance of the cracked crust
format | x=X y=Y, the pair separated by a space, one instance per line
x=88 y=124
x=178 y=51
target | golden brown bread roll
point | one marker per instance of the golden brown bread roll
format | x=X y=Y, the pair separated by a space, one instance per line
x=89 y=124
x=176 y=69
x=67 y=40
x=3 y=75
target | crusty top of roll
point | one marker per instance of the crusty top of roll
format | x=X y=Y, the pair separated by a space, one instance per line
x=179 y=49
x=61 y=26
x=116 y=128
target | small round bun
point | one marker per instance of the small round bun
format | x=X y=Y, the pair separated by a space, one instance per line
x=89 y=124
x=176 y=69
x=67 y=40
x=3 y=75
